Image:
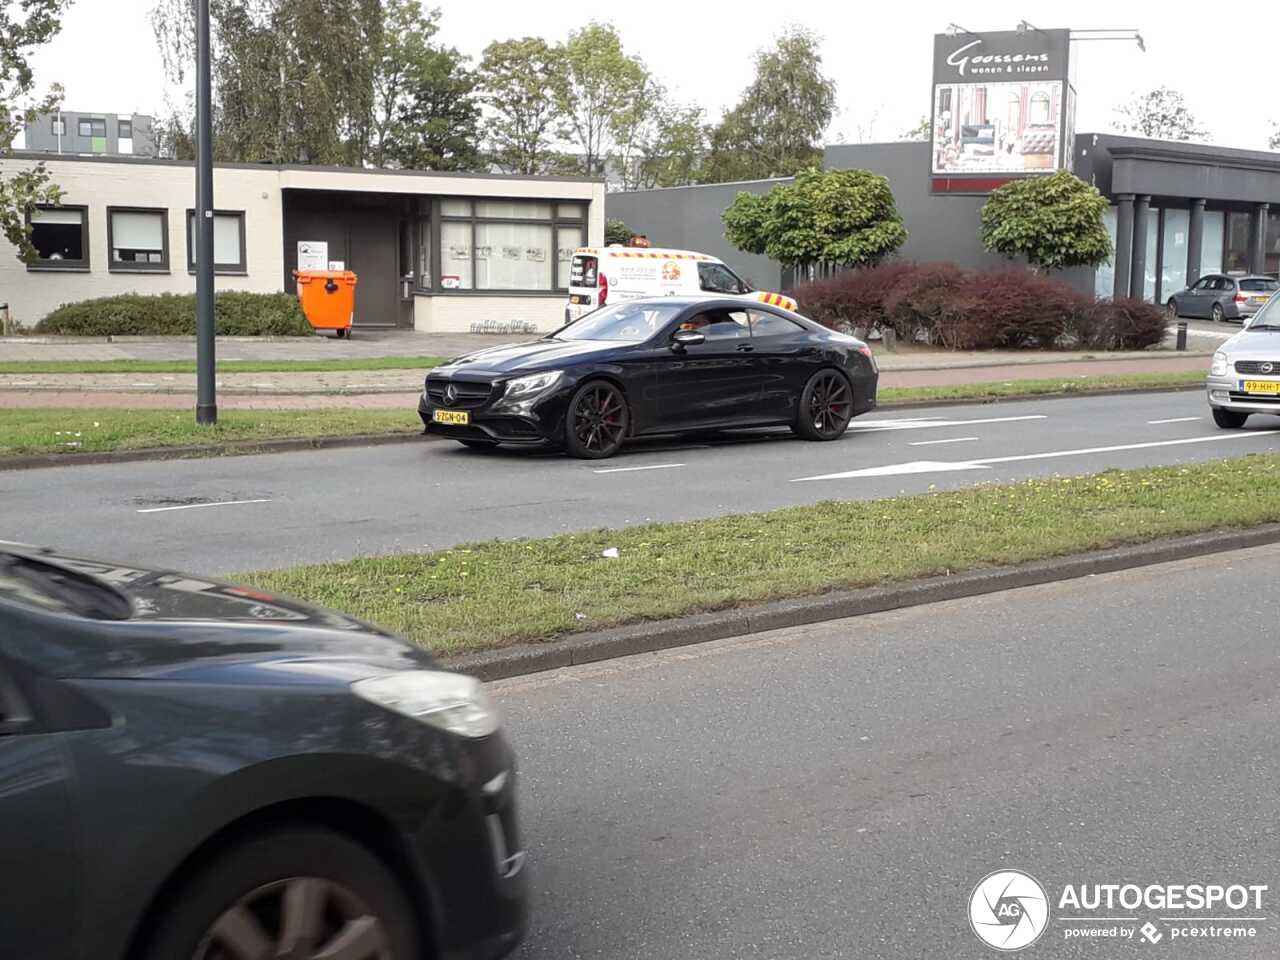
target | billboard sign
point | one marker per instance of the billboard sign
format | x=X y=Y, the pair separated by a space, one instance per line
x=1000 y=107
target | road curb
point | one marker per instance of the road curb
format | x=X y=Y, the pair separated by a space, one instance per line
x=247 y=447
x=744 y=621
x=232 y=448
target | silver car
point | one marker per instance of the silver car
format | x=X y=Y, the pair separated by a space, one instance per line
x=1245 y=375
x=1220 y=297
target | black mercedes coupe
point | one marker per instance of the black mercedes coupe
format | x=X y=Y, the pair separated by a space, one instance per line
x=655 y=366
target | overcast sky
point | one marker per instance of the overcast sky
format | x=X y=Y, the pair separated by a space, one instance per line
x=878 y=53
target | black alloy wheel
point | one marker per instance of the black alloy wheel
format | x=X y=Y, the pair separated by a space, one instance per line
x=826 y=406
x=301 y=894
x=597 y=421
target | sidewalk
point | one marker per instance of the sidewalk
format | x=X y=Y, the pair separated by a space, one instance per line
x=387 y=389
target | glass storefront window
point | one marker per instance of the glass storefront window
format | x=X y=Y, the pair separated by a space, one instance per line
x=1237 y=243
x=1211 y=243
x=423 y=278
x=1273 y=244
x=513 y=209
x=1104 y=278
x=455 y=208
x=513 y=256
x=455 y=256
x=568 y=239
x=1149 y=268
x=1173 y=274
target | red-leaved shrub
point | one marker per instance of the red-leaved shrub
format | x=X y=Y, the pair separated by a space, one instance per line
x=1124 y=324
x=917 y=302
x=852 y=299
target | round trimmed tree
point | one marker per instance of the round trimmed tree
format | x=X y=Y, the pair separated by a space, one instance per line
x=842 y=217
x=1052 y=222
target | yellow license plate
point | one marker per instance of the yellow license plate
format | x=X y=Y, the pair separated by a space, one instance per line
x=457 y=418
x=1262 y=386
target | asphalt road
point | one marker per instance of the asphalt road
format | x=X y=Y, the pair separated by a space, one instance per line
x=240 y=513
x=838 y=790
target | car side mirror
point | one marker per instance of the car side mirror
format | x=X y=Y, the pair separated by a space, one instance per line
x=687 y=338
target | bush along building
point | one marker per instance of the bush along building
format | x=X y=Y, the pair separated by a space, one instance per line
x=433 y=251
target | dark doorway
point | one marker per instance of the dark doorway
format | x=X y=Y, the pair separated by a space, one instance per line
x=364 y=234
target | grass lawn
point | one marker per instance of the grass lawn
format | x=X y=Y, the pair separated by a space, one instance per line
x=493 y=594
x=1035 y=388
x=224 y=366
x=72 y=430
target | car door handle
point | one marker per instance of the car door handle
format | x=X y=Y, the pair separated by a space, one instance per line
x=745 y=348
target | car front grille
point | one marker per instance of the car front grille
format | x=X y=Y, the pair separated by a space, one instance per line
x=1255 y=366
x=1260 y=398
x=469 y=393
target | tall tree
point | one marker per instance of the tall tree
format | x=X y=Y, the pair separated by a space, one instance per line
x=1160 y=113
x=22 y=28
x=605 y=94
x=522 y=82
x=675 y=151
x=921 y=131
x=776 y=129
x=438 y=127
x=293 y=79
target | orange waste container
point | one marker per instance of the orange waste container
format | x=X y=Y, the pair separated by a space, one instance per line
x=328 y=298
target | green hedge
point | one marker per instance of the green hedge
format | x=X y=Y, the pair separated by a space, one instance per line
x=238 y=314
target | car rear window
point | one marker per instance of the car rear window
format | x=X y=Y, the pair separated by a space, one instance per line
x=582 y=272
x=1268 y=286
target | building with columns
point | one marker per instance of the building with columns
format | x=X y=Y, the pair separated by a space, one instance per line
x=1177 y=211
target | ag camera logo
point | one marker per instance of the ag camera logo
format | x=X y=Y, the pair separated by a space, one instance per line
x=1008 y=910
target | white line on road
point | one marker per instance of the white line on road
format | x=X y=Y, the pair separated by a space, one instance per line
x=927 y=443
x=1175 y=420
x=656 y=466
x=194 y=506
x=876 y=426
x=933 y=466
x=142 y=384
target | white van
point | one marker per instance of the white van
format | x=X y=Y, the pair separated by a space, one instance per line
x=603 y=275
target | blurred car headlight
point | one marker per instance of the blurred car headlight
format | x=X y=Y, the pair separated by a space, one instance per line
x=524 y=388
x=449 y=701
x=1219 y=366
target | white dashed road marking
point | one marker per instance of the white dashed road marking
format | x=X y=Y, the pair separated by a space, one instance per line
x=926 y=443
x=876 y=426
x=655 y=466
x=1175 y=420
x=196 y=506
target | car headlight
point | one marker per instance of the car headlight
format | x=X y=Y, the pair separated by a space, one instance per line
x=523 y=388
x=1219 y=366
x=450 y=701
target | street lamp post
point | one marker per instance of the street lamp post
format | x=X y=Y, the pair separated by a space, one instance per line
x=206 y=382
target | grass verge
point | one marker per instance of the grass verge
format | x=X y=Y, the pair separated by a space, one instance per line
x=1035 y=388
x=51 y=430
x=494 y=594
x=20 y=367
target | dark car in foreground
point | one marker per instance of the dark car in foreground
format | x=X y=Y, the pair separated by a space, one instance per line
x=655 y=366
x=1220 y=297
x=196 y=771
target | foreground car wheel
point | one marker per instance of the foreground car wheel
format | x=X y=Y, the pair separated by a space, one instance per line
x=826 y=407
x=597 y=421
x=299 y=894
x=1229 y=419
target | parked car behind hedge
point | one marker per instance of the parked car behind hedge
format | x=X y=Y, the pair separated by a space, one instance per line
x=236 y=313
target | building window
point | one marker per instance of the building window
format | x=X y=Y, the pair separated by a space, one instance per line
x=524 y=245
x=92 y=128
x=59 y=127
x=1104 y=277
x=125 y=129
x=422 y=279
x=228 y=242
x=1173 y=252
x=1238 y=230
x=138 y=239
x=61 y=238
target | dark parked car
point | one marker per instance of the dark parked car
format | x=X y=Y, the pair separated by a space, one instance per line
x=652 y=366
x=1220 y=297
x=196 y=771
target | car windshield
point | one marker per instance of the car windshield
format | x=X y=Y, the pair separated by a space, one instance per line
x=51 y=587
x=626 y=322
x=1267 y=317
